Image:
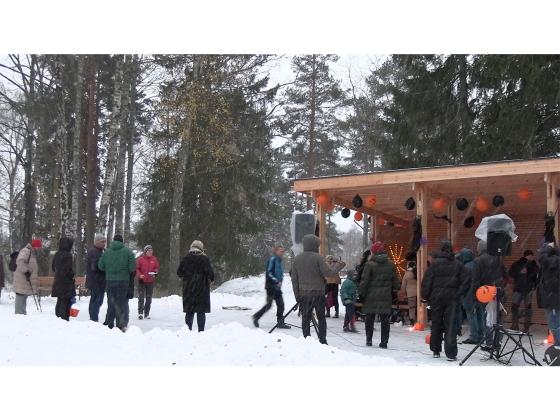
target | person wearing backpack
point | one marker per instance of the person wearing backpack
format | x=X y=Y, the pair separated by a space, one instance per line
x=26 y=281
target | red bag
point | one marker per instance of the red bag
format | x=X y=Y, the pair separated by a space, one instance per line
x=330 y=299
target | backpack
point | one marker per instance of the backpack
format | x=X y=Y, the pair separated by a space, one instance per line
x=12 y=265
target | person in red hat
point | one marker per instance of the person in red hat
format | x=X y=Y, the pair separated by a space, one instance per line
x=26 y=281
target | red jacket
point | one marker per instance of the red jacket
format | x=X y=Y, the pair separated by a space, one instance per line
x=145 y=265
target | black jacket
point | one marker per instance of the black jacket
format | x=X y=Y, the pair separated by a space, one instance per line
x=527 y=281
x=197 y=274
x=488 y=271
x=549 y=286
x=62 y=265
x=445 y=279
x=95 y=278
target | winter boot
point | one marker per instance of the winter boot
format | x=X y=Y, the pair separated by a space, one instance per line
x=451 y=358
x=328 y=314
x=346 y=328
x=140 y=316
x=436 y=355
x=336 y=315
x=382 y=345
x=255 y=321
x=368 y=343
x=282 y=325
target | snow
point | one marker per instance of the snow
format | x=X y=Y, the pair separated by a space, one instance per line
x=230 y=338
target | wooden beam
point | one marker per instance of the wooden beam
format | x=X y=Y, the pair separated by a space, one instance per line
x=321 y=217
x=370 y=211
x=446 y=173
x=422 y=255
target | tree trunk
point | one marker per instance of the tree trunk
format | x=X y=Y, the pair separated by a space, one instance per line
x=311 y=157
x=29 y=182
x=91 y=174
x=130 y=150
x=112 y=149
x=182 y=160
x=75 y=226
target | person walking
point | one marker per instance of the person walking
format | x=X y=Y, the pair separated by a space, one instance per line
x=64 y=287
x=524 y=273
x=331 y=289
x=473 y=308
x=273 y=286
x=197 y=274
x=444 y=282
x=309 y=273
x=349 y=297
x=118 y=263
x=26 y=281
x=147 y=267
x=549 y=288
x=380 y=280
x=409 y=290
x=95 y=278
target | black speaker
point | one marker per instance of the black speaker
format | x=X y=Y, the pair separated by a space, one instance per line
x=498 y=243
x=304 y=224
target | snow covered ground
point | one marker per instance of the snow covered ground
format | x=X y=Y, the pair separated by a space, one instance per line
x=229 y=339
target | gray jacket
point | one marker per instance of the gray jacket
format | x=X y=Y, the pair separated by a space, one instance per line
x=310 y=270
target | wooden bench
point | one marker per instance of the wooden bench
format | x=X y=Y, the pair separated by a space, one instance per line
x=46 y=282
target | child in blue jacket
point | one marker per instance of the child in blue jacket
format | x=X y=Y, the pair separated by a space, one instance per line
x=349 y=296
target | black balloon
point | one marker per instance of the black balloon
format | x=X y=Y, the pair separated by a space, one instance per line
x=357 y=201
x=462 y=204
x=498 y=201
x=469 y=222
x=345 y=213
x=410 y=203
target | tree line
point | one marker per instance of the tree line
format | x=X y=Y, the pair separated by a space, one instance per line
x=168 y=148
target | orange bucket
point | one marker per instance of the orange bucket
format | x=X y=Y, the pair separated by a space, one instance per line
x=419 y=327
x=427 y=339
x=74 y=312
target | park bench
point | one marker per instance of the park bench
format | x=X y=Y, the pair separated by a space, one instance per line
x=46 y=282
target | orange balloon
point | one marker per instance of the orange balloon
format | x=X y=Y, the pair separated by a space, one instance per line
x=323 y=199
x=550 y=339
x=524 y=194
x=485 y=294
x=427 y=339
x=371 y=201
x=482 y=204
x=438 y=204
x=358 y=216
x=381 y=221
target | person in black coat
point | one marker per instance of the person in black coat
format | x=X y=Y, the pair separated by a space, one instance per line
x=524 y=273
x=445 y=280
x=95 y=278
x=63 y=287
x=197 y=274
x=549 y=288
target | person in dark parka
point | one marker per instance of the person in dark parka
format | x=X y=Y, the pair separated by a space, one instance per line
x=64 y=288
x=550 y=288
x=380 y=280
x=445 y=280
x=524 y=273
x=197 y=274
x=95 y=278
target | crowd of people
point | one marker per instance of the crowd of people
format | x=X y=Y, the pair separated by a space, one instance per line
x=370 y=290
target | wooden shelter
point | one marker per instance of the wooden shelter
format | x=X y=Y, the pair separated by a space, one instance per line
x=529 y=189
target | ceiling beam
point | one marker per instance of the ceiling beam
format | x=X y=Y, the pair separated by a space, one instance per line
x=371 y=211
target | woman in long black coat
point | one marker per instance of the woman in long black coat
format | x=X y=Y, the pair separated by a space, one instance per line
x=197 y=274
x=63 y=288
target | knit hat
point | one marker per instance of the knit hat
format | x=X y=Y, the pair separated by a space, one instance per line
x=197 y=245
x=147 y=248
x=378 y=248
x=118 y=237
x=98 y=238
x=36 y=243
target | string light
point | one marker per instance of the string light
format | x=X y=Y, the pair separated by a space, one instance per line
x=396 y=255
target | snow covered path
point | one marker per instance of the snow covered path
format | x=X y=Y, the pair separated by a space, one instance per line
x=230 y=338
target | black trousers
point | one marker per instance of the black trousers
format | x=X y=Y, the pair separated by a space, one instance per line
x=200 y=320
x=62 y=308
x=333 y=288
x=443 y=318
x=307 y=305
x=276 y=296
x=145 y=291
x=385 y=327
x=117 y=304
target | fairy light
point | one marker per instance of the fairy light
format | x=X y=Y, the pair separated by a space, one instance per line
x=396 y=255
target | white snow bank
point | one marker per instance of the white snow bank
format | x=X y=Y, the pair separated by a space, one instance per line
x=246 y=286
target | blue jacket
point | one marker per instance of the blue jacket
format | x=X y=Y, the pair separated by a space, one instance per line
x=349 y=291
x=274 y=272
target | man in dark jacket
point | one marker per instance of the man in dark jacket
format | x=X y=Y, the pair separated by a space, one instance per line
x=380 y=280
x=488 y=270
x=445 y=280
x=95 y=278
x=273 y=286
x=524 y=273
x=550 y=288
x=473 y=308
x=309 y=273
x=63 y=288
x=118 y=263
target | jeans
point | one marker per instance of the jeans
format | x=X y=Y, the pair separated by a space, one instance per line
x=443 y=327
x=553 y=320
x=349 y=316
x=145 y=291
x=517 y=299
x=62 y=308
x=385 y=327
x=332 y=288
x=200 y=320
x=117 y=308
x=276 y=296
x=307 y=305
x=477 y=320
x=21 y=304
x=95 y=303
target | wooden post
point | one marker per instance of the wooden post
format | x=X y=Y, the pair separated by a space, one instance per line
x=322 y=219
x=451 y=226
x=422 y=256
x=552 y=181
